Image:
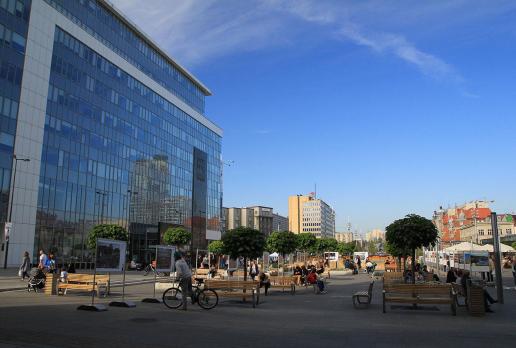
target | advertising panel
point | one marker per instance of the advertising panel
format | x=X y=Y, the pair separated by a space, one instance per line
x=479 y=261
x=110 y=255
x=165 y=258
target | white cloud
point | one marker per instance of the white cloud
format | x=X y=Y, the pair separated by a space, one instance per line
x=196 y=32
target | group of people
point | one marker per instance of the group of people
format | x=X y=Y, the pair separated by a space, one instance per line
x=421 y=274
x=311 y=274
x=461 y=277
x=46 y=264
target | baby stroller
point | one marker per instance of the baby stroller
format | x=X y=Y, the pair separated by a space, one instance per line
x=36 y=279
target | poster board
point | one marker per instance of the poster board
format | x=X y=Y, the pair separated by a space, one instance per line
x=479 y=261
x=110 y=255
x=165 y=258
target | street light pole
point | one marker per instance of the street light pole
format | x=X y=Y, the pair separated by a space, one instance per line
x=130 y=194
x=9 y=217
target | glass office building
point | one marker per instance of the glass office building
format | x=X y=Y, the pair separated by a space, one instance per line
x=113 y=128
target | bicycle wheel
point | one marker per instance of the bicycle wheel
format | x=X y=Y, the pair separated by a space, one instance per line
x=173 y=298
x=208 y=299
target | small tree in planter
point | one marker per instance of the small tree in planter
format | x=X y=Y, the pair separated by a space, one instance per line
x=243 y=242
x=216 y=247
x=282 y=242
x=177 y=236
x=411 y=233
x=107 y=231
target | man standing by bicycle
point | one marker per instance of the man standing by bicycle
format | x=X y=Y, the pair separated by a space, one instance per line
x=184 y=275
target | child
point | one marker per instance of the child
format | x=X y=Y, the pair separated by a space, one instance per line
x=63 y=276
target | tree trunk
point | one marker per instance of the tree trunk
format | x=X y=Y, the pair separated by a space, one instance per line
x=413 y=266
x=245 y=269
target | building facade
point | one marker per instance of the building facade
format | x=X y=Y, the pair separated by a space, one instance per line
x=308 y=214
x=344 y=237
x=481 y=231
x=113 y=128
x=450 y=221
x=279 y=223
x=257 y=217
x=375 y=235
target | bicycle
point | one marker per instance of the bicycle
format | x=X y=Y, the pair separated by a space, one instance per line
x=206 y=298
x=150 y=268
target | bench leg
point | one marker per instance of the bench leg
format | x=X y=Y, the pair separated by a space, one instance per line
x=292 y=289
x=383 y=303
x=453 y=306
x=354 y=301
x=254 y=302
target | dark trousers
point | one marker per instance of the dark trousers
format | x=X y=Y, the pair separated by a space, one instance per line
x=266 y=285
x=25 y=274
x=186 y=288
x=490 y=276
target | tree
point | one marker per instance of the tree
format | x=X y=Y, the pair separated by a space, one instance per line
x=177 y=236
x=243 y=242
x=410 y=233
x=371 y=248
x=216 y=247
x=306 y=242
x=107 y=231
x=398 y=253
x=326 y=244
x=346 y=248
x=282 y=242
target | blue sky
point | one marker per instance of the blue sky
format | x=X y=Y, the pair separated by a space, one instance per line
x=391 y=107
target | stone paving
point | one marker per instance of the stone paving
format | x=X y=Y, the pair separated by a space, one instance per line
x=281 y=320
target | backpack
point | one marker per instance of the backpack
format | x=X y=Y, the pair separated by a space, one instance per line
x=312 y=278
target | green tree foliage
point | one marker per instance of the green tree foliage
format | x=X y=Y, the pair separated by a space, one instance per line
x=411 y=233
x=282 y=242
x=346 y=248
x=371 y=248
x=177 y=236
x=306 y=242
x=326 y=244
x=514 y=245
x=243 y=242
x=107 y=231
x=216 y=247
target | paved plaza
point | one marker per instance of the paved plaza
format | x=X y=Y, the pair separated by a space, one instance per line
x=281 y=320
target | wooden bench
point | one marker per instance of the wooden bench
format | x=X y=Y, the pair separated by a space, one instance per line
x=235 y=288
x=392 y=277
x=84 y=282
x=283 y=282
x=368 y=295
x=419 y=294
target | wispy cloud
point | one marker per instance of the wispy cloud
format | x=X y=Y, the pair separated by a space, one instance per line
x=196 y=32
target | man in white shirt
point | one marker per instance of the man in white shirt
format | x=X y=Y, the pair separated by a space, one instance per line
x=185 y=277
x=43 y=258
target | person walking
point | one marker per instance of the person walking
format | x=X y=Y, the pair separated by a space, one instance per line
x=184 y=274
x=253 y=270
x=25 y=266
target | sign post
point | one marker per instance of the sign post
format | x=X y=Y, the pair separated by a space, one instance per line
x=497 y=256
x=109 y=257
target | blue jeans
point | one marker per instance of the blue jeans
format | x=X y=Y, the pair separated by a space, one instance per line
x=320 y=284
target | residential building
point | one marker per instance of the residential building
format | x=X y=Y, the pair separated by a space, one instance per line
x=450 y=221
x=481 y=231
x=344 y=237
x=257 y=217
x=279 y=223
x=114 y=130
x=375 y=235
x=308 y=214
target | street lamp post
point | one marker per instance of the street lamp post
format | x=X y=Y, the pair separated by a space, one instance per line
x=9 y=217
